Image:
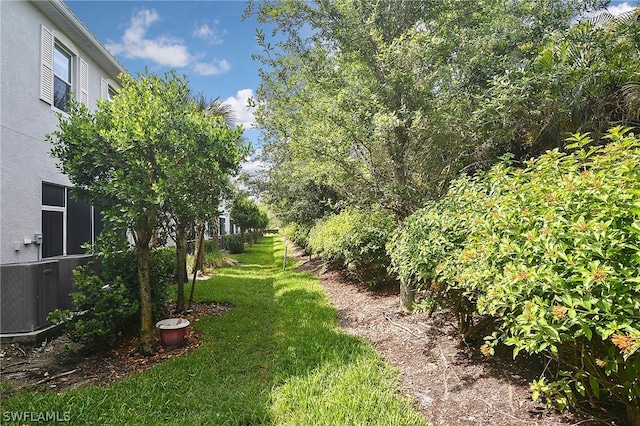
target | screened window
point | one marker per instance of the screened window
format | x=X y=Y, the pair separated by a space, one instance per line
x=67 y=224
x=111 y=92
x=53 y=195
x=79 y=225
x=52 y=233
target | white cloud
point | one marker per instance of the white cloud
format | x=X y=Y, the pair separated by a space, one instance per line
x=210 y=35
x=164 y=50
x=253 y=167
x=161 y=50
x=621 y=8
x=613 y=10
x=215 y=68
x=238 y=104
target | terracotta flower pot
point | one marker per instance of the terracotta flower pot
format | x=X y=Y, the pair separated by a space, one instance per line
x=172 y=331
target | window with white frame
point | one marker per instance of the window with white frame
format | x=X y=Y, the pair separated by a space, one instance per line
x=62 y=65
x=67 y=224
x=62 y=72
x=108 y=89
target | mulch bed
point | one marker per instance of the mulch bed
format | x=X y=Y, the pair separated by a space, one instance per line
x=51 y=366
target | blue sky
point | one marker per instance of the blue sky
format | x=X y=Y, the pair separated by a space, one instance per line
x=620 y=6
x=206 y=40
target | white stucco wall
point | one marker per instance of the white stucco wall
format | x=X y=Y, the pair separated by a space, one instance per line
x=25 y=160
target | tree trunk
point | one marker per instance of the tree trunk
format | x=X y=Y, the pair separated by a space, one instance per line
x=147 y=332
x=181 y=261
x=193 y=286
x=198 y=251
x=401 y=139
x=215 y=231
x=407 y=296
x=198 y=259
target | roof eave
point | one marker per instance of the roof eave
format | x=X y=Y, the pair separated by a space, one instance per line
x=73 y=27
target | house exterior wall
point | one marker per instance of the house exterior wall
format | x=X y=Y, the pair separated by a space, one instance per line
x=25 y=159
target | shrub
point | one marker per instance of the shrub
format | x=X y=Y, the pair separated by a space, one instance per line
x=234 y=244
x=355 y=239
x=109 y=302
x=211 y=245
x=556 y=258
x=432 y=234
x=213 y=257
x=119 y=259
x=297 y=234
x=218 y=259
x=106 y=311
x=162 y=274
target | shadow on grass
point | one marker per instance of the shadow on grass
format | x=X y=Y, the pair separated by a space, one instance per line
x=278 y=357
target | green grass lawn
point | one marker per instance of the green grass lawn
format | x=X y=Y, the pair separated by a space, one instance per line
x=278 y=357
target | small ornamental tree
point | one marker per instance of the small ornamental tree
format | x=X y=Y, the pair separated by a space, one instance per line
x=122 y=157
x=245 y=213
x=208 y=154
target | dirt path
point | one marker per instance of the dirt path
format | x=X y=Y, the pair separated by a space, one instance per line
x=452 y=384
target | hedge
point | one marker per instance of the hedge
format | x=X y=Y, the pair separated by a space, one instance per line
x=551 y=251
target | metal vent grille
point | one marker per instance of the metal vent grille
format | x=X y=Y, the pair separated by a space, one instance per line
x=29 y=293
x=13 y=317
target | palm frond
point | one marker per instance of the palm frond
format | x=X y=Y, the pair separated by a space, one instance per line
x=214 y=107
x=631 y=96
x=606 y=18
x=218 y=108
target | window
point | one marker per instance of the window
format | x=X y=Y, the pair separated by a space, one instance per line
x=221 y=229
x=53 y=220
x=107 y=89
x=79 y=225
x=62 y=72
x=52 y=233
x=66 y=223
x=61 y=78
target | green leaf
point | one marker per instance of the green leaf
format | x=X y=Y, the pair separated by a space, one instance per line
x=595 y=386
x=551 y=332
x=535 y=395
x=587 y=332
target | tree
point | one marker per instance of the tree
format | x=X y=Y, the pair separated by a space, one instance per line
x=124 y=157
x=580 y=80
x=214 y=108
x=210 y=152
x=376 y=99
x=246 y=214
